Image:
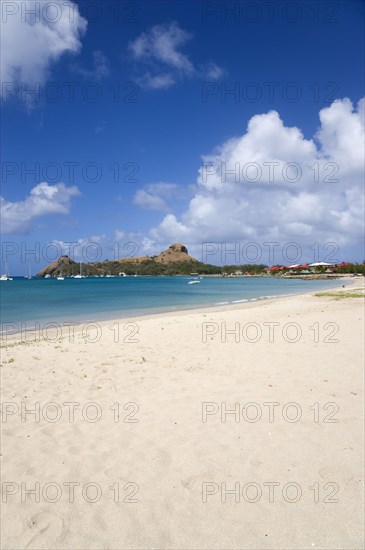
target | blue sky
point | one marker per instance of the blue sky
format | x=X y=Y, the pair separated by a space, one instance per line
x=179 y=84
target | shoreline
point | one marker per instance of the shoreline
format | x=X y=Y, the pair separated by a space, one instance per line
x=77 y=325
x=178 y=404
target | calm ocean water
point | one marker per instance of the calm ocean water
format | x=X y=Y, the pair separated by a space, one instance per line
x=46 y=300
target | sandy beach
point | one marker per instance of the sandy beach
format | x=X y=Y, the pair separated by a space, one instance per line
x=230 y=428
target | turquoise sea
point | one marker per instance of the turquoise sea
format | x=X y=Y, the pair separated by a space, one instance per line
x=46 y=300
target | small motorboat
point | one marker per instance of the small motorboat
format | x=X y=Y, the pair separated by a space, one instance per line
x=194 y=282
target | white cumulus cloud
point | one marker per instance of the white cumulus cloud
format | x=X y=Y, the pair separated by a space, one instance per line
x=271 y=184
x=30 y=44
x=44 y=199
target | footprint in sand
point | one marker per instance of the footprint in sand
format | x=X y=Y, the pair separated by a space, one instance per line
x=189 y=482
x=44 y=528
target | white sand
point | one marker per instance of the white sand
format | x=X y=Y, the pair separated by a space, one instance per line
x=170 y=454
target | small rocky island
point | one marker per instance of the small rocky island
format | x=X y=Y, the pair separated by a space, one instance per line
x=175 y=260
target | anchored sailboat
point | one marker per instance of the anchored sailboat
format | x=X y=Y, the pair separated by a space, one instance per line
x=29 y=276
x=80 y=275
x=6 y=277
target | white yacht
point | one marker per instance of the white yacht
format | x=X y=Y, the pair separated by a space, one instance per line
x=6 y=277
x=29 y=276
x=79 y=276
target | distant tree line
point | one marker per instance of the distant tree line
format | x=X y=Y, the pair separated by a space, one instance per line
x=151 y=267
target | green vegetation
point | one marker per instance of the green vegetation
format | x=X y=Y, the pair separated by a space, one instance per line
x=13 y=344
x=341 y=295
x=252 y=269
x=155 y=268
x=11 y=360
x=151 y=267
x=351 y=268
x=348 y=268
